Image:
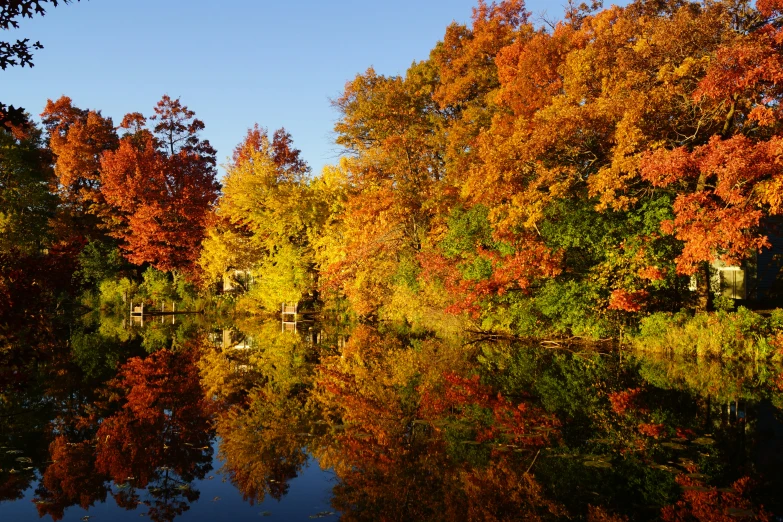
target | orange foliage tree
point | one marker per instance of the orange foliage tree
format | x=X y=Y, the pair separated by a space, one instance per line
x=77 y=139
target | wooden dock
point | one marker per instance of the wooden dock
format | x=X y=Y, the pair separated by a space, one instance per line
x=139 y=312
x=291 y=317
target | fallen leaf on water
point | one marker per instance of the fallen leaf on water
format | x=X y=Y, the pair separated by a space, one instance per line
x=674 y=446
x=663 y=467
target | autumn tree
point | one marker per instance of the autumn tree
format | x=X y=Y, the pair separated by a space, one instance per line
x=389 y=127
x=411 y=141
x=265 y=220
x=468 y=79
x=77 y=138
x=726 y=175
x=161 y=184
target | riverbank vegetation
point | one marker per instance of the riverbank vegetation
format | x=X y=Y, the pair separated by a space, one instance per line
x=575 y=179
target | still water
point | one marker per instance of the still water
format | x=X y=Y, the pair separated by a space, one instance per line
x=188 y=419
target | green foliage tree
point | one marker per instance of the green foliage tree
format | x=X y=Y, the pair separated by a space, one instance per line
x=26 y=205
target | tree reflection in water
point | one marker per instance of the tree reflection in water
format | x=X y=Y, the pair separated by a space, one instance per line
x=266 y=419
x=413 y=428
x=151 y=439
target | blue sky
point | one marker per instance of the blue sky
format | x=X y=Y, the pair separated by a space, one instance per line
x=234 y=62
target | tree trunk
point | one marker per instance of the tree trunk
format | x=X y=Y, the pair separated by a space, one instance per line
x=703 y=294
x=703 y=303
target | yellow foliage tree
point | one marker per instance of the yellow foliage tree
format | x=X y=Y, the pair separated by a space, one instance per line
x=263 y=222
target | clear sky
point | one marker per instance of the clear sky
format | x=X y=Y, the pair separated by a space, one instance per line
x=234 y=62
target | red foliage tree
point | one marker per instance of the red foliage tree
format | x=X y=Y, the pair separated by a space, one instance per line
x=161 y=185
x=719 y=217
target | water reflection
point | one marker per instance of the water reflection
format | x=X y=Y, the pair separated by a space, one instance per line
x=411 y=427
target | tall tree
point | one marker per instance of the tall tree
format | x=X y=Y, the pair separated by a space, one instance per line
x=161 y=185
x=265 y=220
x=77 y=139
x=727 y=176
x=390 y=127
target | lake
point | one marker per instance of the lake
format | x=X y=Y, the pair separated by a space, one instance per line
x=188 y=418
